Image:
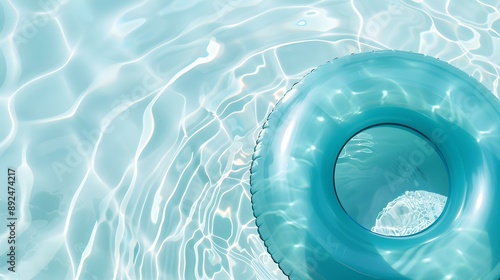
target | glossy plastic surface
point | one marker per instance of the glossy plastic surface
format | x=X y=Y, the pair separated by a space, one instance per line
x=300 y=219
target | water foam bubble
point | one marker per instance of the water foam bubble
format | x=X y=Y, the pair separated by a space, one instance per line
x=409 y=213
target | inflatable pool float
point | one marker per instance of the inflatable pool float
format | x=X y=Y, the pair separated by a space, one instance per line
x=310 y=210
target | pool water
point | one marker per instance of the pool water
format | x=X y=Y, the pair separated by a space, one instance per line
x=391 y=180
x=131 y=124
x=409 y=213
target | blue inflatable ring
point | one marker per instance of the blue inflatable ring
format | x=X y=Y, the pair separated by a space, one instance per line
x=298 y=214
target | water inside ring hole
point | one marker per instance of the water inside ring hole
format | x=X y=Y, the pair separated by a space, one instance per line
x=391 y=180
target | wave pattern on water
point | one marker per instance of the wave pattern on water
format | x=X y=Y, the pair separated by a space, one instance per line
x=132 y=124
x=409 y=213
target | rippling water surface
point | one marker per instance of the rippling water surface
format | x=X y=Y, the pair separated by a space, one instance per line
x=131 y=124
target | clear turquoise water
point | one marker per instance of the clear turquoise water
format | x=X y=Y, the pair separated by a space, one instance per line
x=399 y=177
x=131 y=124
